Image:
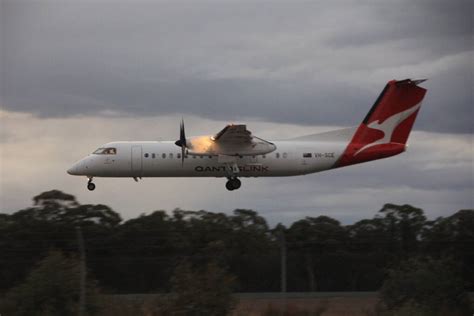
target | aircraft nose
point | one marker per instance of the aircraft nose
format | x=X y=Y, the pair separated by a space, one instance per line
x=72 y=170
x=76 y=169
x=81 y=167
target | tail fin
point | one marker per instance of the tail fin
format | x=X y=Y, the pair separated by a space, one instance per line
x=385 y=129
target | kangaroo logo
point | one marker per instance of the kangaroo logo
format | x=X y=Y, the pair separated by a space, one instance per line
x=388 y=127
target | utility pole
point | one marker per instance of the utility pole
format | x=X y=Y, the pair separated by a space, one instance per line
x=82 y=272
x=283 y=259
x=283 y=265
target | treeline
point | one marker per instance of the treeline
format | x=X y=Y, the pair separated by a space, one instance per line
x=140 y=254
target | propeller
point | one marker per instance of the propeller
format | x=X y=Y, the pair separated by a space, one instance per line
x=181 y=142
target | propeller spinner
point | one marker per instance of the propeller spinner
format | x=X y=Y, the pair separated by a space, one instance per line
x=181 y=142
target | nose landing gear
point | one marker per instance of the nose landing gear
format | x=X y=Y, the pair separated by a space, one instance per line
x=233 y=184
x=90 y=185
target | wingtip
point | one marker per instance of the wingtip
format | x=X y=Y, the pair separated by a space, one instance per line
x=408 y=81
x=418 y=81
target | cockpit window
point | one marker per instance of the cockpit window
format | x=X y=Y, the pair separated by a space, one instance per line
x=106 y=151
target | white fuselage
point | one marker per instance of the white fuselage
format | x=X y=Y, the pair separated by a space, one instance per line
x=162 y=159
x=234 y=152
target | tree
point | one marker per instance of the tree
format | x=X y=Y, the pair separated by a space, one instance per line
x=458 y=227
x=453 y=236
x=145 y=245
x=370 y=254
x=26 y=235
x=322 y=254
x=425 y=286
x=316 y=241
x=205 y=291
x=403 y=225
x=368 y=234
x=52 y=288
x=58 y=207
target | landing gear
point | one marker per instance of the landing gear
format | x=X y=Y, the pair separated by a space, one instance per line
x=232 y=170
x=233 y=184
x=90 y=185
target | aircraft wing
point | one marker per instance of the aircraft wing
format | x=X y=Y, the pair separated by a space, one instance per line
x=233 y=134
x=232 y=140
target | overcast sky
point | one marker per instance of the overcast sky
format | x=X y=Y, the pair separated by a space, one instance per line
x=76 y=74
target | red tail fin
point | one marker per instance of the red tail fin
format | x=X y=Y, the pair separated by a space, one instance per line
x=386 y=127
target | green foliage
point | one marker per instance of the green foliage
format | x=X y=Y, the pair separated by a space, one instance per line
x=425 y=286
x=57 y=207
x=322 y=253
x=322 y=230
x=317 y=241
x=51 y=288
x=206 y=291
x=455 y=228
x=403 y=225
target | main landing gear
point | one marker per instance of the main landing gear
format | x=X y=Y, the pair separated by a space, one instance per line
x=233 y=184
x=90 y=185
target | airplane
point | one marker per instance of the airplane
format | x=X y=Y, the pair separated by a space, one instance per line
x=235 y=152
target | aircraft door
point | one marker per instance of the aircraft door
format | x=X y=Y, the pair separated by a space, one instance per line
x=137 y=161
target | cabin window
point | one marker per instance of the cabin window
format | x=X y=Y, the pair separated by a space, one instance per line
x=146 y=155
x=210 y=157
x=264 y=156
x=307 y=155
x=106 y=151
x=153 y=155
x=194 y=157
x=178 y=155
x=171 y=155
x=201 y=157
x=163 y=155
x=278 y=155
x=285 y=155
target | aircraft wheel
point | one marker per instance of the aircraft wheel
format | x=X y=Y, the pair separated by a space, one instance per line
x=236 y=183
x=229 y=185
x=91 y=186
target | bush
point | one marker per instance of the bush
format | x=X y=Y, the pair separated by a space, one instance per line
x=425 y=286
x=52 y=288
x=206 y=290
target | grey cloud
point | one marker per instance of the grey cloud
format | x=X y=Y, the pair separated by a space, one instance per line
x=303 y=63
x=434 y=23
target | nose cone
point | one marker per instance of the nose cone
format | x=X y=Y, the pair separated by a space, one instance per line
x=77 y=169
x=73 y=170
x=82 y=167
